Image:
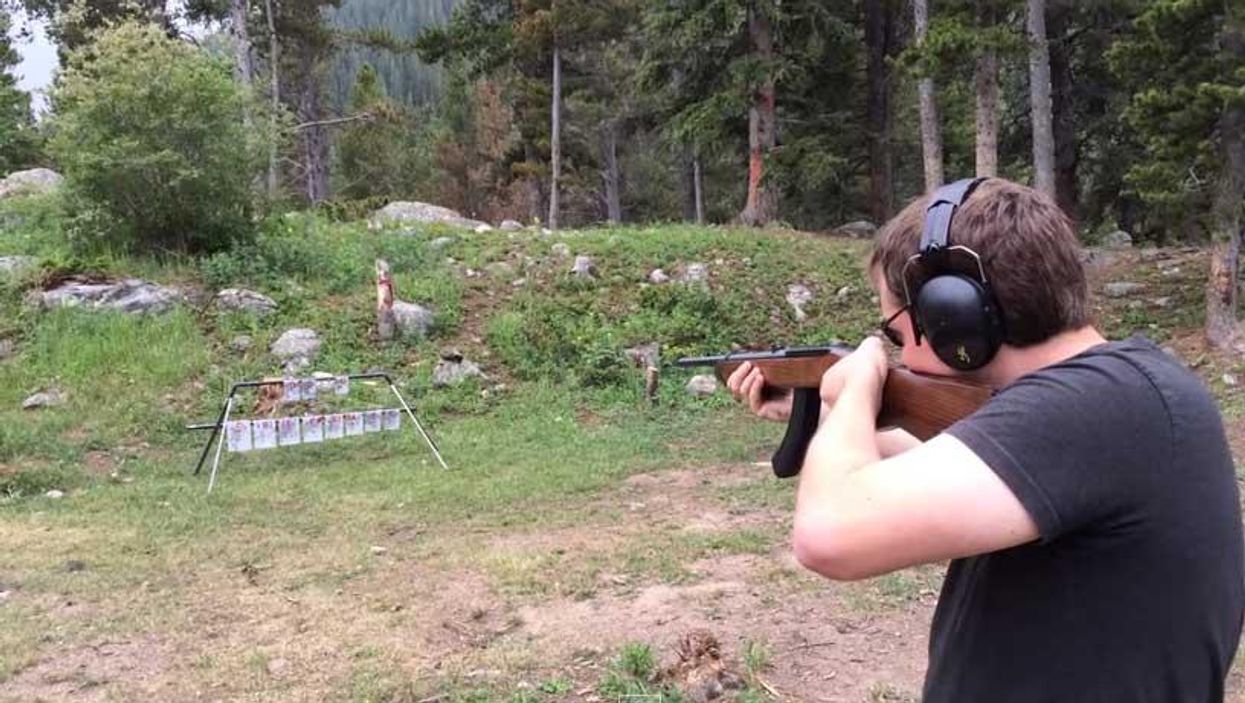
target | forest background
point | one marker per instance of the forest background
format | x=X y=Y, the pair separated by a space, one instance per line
x=806 y=113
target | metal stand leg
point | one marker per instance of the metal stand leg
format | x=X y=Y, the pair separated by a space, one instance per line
x=223 y=431
x=215 y=429
x=431 y=444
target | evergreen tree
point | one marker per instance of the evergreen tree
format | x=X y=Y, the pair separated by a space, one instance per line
x=372 y=150
x=19 y=141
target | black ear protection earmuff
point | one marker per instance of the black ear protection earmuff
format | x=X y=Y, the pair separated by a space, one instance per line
x=957 y=313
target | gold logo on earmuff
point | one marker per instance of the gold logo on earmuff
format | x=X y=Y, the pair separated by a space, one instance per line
x=962 y=355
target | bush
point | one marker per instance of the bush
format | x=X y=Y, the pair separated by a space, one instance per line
x=150 y=137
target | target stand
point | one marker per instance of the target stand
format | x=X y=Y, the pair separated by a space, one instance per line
x=269 y=432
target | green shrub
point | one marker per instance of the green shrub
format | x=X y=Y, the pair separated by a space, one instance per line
x=149 y=134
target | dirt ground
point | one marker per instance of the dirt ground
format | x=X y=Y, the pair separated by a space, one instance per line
x=429 y=617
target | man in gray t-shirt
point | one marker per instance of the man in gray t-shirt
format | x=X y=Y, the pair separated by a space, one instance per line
x=1090 y=509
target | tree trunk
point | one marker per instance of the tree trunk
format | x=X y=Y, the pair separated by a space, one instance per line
x=555 y=139
x=1067 y=153
x=534 y=187
x=1222 y=329
x=986 y=82
x=315 y=138
x=687 y=179
x=1040 y=98
x=878 y=38
x=931 y=137
x=274 y=61
x=613 y=181
x=243 y=68
x=698 y=187
x=385 y=319
x=762 y=205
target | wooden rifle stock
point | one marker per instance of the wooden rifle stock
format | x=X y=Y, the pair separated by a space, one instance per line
x=923 y=405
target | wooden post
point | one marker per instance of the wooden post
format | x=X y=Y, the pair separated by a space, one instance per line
x=384 y=302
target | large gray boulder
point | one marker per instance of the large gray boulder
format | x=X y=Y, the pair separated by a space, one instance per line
x=453 y=369
x=859 y=229
x=296 y=348
x=412 y=320
x=404 y=212
x=36 y=181
x=245 y=300
x=130 y=295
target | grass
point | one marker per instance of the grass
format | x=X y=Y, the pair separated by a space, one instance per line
x=323 y=557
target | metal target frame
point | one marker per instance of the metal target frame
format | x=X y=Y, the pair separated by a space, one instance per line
x=222 y=421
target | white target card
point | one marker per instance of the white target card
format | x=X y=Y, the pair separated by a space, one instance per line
x=238 y=436
x=313 y=428
x=372 y=421
x=341 y=385
x=265 y=434
x=392 y=419
x=288 y=432
x=292 y=391
x=354 y=424
x=334 y=426
x=307 y=389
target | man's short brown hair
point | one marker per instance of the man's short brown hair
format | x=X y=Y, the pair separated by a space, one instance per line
x=1027 y=246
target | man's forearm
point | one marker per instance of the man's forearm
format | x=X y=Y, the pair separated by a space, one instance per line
x=846 y=441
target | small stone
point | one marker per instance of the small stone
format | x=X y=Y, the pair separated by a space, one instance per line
x=1122 y=289
x=695 y=273
x=46 y=399
x=1118 y=239
x=440 y=243
x=75 y=565
x=702 y=385
x=7 y=348
x=584 y=267
x=55 y=494
x=561 y=250
x=657 y=276
x=843 y=292
x=379 y=550
x=510 y=226
x=1229 y=379
x=241 y=343
x=482 y=228
x=1163 y=302
x=277 y=666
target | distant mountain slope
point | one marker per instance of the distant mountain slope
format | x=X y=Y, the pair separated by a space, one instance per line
x=406 y=78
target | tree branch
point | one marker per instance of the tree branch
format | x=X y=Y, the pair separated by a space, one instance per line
x=361 y=117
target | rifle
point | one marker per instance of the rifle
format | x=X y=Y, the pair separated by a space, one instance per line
x=921 y=404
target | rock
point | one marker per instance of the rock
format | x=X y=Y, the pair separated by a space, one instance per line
x=45 y=399
x=695 y=273
x=440 y=243
x=75 y=565
x=861 y=229
x=245 y=300
x=798 y=295
x=657 y=276
x=420 y=213
x=7 y=348
x=1099 y=258
x=1122 y=289
x=645 y=355
x=411 y=319
x=510 y=226
x=296 y=348
x=1118 y=239
x=55 y=494
x=276 y=667
x=1173 y=271
x=16 y=265
x=584 y=267
x=1229 y=379
x=131 y=296
x=499 y=269
x=702 y=385
x=560 y=250
x=483 y=227
x=241 y=343
x=843 y=292
x=453 y=369
x=1163 y=302
x=378 y=550
x=37 y=181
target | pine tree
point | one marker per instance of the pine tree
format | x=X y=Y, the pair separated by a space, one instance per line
x=19 y=142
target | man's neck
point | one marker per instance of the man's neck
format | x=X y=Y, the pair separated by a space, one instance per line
x=1014 y=362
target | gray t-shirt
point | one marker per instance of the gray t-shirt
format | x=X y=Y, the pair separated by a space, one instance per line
x=1136 y=589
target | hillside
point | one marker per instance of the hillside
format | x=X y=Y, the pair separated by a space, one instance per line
x=358 y=570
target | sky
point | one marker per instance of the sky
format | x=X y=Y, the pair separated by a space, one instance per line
x=34 y=74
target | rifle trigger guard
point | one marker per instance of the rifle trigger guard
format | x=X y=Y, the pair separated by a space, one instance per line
x=805 y=413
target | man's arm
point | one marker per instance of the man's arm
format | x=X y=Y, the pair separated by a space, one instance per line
x=859 y=515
